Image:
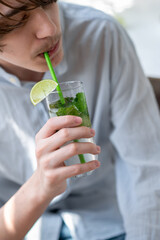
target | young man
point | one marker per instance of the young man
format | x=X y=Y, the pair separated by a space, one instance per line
x=87 y=45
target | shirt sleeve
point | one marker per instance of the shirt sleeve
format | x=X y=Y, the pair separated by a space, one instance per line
x=136 y=137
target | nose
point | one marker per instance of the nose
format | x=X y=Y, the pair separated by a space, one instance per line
x=44 y=25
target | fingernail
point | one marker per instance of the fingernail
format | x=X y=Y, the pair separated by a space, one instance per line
x=78 y=120
x=92 y=132
x=98 y=148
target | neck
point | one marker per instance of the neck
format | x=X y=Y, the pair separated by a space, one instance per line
x=22 y=73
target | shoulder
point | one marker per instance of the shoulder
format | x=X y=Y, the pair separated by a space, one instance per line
x=78 y=11
x=74 y=13
x=82 y=19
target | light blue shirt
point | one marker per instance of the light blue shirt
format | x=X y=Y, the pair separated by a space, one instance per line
x=123 y=195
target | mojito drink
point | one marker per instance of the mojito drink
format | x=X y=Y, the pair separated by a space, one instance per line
x=75 y=104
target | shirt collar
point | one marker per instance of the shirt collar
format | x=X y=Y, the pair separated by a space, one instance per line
x=5 y=76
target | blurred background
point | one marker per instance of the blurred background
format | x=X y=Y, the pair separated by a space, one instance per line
x=141 y=19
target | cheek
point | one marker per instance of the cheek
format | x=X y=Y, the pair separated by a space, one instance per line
x=54 y=15
x=15 y=54
x=16 y=47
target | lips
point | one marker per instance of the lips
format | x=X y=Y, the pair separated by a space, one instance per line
x=51 y=51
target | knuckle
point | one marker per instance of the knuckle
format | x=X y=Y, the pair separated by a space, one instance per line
x=37 y=137
x=44 y=163
x=65 y=133
x=50 y=122
x=39 y=151
x=40 y=161
x=76 y=170
x=92 y=147
x=51 y=177
x=82 y=168
x=87 y=130
x=73 y=148
x=84 y=128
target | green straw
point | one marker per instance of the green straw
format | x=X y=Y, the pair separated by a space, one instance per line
x=54 y=77
x=81 y=157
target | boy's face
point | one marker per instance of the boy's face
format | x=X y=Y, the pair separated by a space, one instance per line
x=24 y=46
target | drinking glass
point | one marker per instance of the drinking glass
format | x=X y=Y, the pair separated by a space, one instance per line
x=75 y=104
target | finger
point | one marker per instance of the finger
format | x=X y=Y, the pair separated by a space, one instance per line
x=57 y=157
x=63 y=136
x=56 y=123
x=63 y=173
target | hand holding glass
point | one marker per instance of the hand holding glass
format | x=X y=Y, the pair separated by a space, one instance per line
x=75 y=104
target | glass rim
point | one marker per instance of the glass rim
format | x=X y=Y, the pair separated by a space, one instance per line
x=69 y=87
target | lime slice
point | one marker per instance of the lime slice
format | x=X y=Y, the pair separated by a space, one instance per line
x=41 y=90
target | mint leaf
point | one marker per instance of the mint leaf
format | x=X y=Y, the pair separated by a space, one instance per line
x=80 y=102
x=73 y=106
x=58 y=104
x=71 y=110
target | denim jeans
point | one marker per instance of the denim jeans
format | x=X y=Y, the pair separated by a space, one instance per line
x=65 y=234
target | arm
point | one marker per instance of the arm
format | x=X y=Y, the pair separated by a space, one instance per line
x=49 y=180
x=136 y=137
